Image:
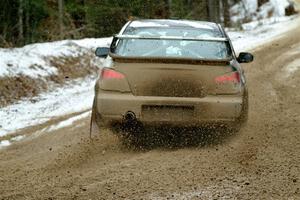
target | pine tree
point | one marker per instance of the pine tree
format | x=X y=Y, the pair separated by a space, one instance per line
x=20 y=24
x=226 y=13
x=61 y=16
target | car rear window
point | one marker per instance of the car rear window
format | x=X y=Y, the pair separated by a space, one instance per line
x=173 y=48
x=175 y=31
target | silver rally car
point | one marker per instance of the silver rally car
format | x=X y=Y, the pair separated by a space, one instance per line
x=171 y=72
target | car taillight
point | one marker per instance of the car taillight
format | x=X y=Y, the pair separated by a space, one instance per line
x=232 y=77
x=110 y=74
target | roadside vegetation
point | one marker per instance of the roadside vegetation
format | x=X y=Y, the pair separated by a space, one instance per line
x=30 y=21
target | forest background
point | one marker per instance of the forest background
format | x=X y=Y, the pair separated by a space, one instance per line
x=29 y=21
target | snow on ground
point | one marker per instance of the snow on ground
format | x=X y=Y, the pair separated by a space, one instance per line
x=68 y=122
x=77 y=95
x=32 y=61
x=5 y=143
x=248 y=10
x=279 y=6
x=266 y=22
x=61 y=124
x=289 y=69
x=258 y=33
x=292 y=67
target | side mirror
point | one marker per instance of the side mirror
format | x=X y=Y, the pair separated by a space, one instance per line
x=102 y=52
x=245 y=57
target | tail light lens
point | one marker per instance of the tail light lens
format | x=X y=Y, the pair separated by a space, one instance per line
x=110 y=74
x=233 y=77
x=113 y=80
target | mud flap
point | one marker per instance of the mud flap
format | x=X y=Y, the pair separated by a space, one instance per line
x=243 y=118
x=94 y=128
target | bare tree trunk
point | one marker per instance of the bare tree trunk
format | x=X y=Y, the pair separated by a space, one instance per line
x=226 y=13
x=169 y=7
x=27 y=24
x=189 y=3
x=209 y=10
x=217 y=11
x=213 y=10
x=20 y=25
x=200 y=9
x=61 y=20
x=261 y=2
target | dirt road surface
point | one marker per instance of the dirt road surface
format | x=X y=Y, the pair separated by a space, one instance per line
x=262 y=161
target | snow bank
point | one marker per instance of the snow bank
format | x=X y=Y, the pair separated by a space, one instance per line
x=248 y=10
x=32 y=61
x=76 y=96
x=279 y=7
x=258 y=33
x=5 y=143
x=68 y=122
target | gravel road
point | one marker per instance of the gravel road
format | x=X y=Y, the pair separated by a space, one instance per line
x=262 y=161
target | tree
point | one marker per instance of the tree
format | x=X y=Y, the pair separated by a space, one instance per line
x=20 y=25
x=8 y=21
x=226 y=13
x=213 y=7
x=61 y=18
x=261 y=2
x=28 y=21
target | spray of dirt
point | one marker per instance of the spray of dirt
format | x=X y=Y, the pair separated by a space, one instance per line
x=260 y=162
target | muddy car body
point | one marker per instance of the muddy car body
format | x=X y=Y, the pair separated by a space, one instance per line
x=171 y=72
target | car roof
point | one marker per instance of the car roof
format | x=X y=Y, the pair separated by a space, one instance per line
x=169 y=23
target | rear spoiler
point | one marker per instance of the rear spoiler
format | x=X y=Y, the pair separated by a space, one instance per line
x=126 y=59
x=209 y=39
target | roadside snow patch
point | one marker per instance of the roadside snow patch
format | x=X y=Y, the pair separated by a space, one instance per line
x=4 y=143
x=31 y=60
x=259 y=34
x=68 y=122
x=279 y=6
x=248 y=10
x=293 y=67
x=17 y=138
x=76 y=96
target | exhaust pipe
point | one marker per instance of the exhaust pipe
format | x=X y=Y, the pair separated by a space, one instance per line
x=130 y=116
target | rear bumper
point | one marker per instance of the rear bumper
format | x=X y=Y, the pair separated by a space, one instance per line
x=112 y=107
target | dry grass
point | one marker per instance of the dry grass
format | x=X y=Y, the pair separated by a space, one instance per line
x=13 y=89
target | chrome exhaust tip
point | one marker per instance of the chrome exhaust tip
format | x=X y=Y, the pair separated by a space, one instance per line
x=130 y=116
